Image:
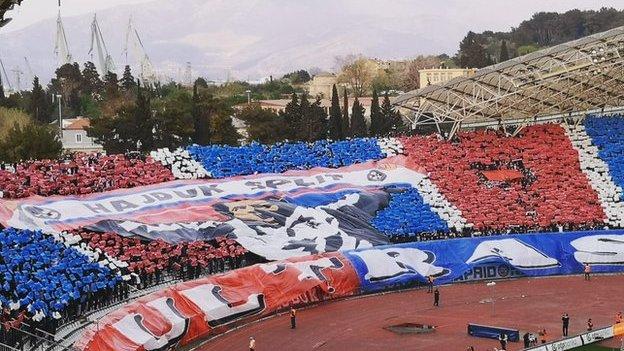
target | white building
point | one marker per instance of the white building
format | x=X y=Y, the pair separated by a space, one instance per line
x=75 y=137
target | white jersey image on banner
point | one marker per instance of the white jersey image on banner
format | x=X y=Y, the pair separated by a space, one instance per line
x=599 y=249
x=515 y=252
x=385 y=264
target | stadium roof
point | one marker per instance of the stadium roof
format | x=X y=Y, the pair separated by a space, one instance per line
x=6 y=5
x=581 y=75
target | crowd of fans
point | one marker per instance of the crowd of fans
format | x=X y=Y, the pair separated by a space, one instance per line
x=228 y=161
x=408 y=216
x=45 y=281
x=606 y=133
x=80 y=174
x=553 y=192
x=150 y=262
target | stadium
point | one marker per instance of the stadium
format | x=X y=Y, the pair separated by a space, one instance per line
x=479 y=232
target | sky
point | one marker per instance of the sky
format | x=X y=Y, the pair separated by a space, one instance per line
x=32 y=11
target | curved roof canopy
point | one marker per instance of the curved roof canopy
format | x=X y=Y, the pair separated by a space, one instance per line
x=580 y=75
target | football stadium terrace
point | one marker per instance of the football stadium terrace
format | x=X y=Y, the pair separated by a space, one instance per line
x=166 y=250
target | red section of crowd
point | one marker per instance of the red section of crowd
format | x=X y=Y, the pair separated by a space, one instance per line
x=553 y=192
x=150 y=260
x=81 y=174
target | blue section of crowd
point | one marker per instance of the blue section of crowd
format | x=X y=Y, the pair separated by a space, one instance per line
x=607 y=134
x=408 y=215
x=45 y=276
x=228 y=161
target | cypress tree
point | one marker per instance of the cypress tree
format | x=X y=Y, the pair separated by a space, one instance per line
x=201 y=118
x=2 y=97
x=358 y=123
x=143 y=119
x=376 y=128
x=387 y=115
x=39 y=106
x=91 y=78
x=335 y=117
x=292 y=117
x=504 y=53
x=346 y=124
x=127 y=80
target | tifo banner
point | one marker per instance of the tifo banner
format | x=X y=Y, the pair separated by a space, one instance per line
x=191 y=311
x=488 y=258
x=188 y=312
x=273 y=215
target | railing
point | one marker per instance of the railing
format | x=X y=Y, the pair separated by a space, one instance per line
x=34 y=339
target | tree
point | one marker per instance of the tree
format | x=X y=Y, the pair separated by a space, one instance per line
x=204 y=108
x=111 y=85
x=40 y=106
x=127 y=80
x=92 y=84
x=263 y=125
x=298 y=77
x=504 y=53
x=314 y=121
x=346 y=124
x=411 y=80
x=201 y=121
x=376 y=128
x=292 y=118
x=358 y=122
x=143 y=120
x=115 y=133
x=69 y=82
x=471 y=52
x=173 y=120
x=391 y=120
x=359 y=74
x=9 y=117
x=2 y=97
x=335 y=117
x=30 y=142
x=223 y=131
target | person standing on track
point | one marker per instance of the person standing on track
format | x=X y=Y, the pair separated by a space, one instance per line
x=543 y=336
x=293 y=318
x=587 y=271
x=618 y=318
x=502 y=338
x=252 y=344
x=430 y=280
x=436 y=297
x=565 y=320
x=590 y=325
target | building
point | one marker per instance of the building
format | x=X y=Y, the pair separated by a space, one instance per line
x=75 y=137
x=437 y=76
x=321 y=85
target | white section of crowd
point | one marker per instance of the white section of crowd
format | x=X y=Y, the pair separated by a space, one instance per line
x=440 y=205
x=597 y=171
x=182 y=164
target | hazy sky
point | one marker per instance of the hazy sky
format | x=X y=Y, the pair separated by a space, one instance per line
x=32 y=11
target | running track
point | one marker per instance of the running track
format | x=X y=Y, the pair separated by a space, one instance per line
x=357 y=324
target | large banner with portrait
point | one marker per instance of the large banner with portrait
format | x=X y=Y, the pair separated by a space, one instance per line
x=276 y=216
